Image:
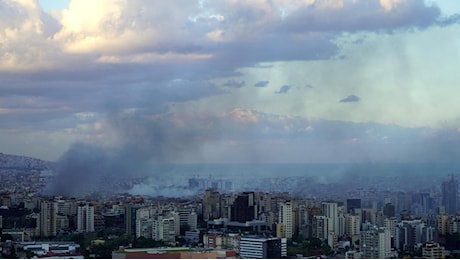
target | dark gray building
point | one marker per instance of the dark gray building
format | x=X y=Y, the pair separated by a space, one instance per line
x=449 y=195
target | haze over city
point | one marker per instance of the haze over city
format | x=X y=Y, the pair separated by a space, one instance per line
x=229 y=129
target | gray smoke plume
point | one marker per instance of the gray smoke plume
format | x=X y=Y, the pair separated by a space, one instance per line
x=146 y=135
x=87 y=169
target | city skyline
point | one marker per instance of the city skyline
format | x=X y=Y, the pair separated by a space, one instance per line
x=210 y=82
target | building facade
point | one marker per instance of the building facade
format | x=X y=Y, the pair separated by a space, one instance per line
x=449 y=195
x=262 y=247
x=85 y=218
x=286 y=219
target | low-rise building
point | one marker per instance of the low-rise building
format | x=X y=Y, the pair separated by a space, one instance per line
x=433 y=250
x=262 y=247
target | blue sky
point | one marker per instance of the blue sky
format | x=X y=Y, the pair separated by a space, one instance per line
x=49 y=5
x=232 y=81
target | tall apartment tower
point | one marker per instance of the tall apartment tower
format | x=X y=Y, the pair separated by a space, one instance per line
x=376 y=243
x=330 y=210
x=449 y=195
x=85 y=218
x=48 y=211
x=211 y=204
x=285 y=215
x=352 y=226
x=320 y=227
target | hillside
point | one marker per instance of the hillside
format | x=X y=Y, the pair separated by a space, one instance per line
x=23 y=162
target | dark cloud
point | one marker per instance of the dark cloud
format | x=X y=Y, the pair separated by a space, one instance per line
x=267 y=49
x=263 y=66
x=372 y=17
x=449 y=20
x=261 y=84
x=284 y=89
x=349 y=99
x=234 y=84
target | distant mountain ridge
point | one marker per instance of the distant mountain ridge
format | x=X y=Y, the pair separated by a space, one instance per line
x=23 y=162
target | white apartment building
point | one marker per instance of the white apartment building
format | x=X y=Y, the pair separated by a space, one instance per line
x=85 y=218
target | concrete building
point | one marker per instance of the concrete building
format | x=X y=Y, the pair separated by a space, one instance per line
x=389 y=210
x=62 y=223
x=443 y=224
x=85 y=218
x=410 y=234
x=320 y=227
x=144 y=227
x=47 y=218
x=330 y=211
x=163 y=228
x=285 y=216
x=449 y=195
x=375 y=243
x=211 y=204
x=188 y=217
x=353 y=205
x=263 y=248
x=130 y=218
x=433 y=250
x=391 y=224
x=244 y=208
x=222 y=241
x=352 y=226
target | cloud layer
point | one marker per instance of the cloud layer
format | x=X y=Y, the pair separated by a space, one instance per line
x=194 y=81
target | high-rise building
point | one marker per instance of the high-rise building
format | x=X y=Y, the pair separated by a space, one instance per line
x=449 y=195
x=130 y=218
x=188 y=216
x=192 y=220
x=264 y=201
x=320 y=227
x=376 y=243
x=389 y=210
x=85 y=218
x=330 y=210
x=443 y=224
x=352 y=226
x=353 y=204
x=211 y=204
x=286 y=219
x=144 y=227
x=48 y=211
x=243 y=208
x=391 y=224
x=62 y=223
x=168 y=229
x=162 y=228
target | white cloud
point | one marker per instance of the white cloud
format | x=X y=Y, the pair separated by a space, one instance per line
x=25 y=36
x=387 y=5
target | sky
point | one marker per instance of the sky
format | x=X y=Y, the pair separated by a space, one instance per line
x=298 y=81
